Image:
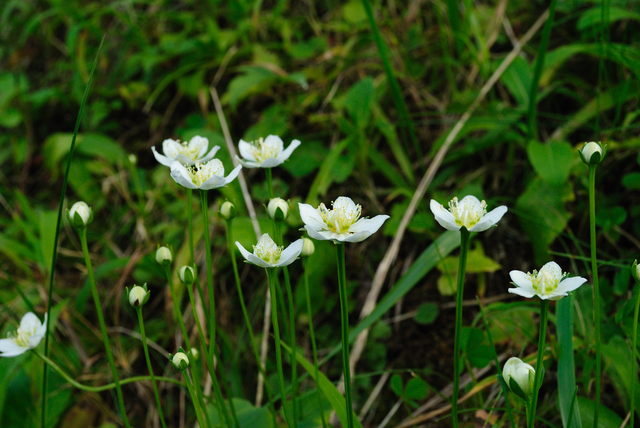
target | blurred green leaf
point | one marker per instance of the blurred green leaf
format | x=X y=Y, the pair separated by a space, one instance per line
x=552 y=161
x=427 y=313
x=358 y=102
x=416 y=389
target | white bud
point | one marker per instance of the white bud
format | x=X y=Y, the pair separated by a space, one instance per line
x=307 y=247
x=180 y=361
x=133 y=159
x=164 y=256
x=278 y=209
x=84 y=214
x=187 y=274
x=138 y=296
x=522 y=373
x=589 y=150
x=227 y=210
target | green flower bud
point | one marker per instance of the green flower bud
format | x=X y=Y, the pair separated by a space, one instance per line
x=187 y=275
x=591 y=153
x=80 y=215
x=138 y=296
x=164 y=256
x=180 y=360
x=227 y=210
x=278 y=209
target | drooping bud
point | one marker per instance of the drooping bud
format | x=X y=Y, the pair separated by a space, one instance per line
x=138 y=296
x=278 y=209
x=307 y=247
x=164 y=256
x=187 y=275
x=227 y=210
x=80 y=215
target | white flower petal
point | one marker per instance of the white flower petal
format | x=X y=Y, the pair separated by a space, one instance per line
x=284 y=155
x=210 y=155
x=370 y=225
x=274 y=140
x=200 y=144
x=552 y=269
x=246 y=151
x=443 y=216
x=269 y=163
x=291 y=253
x=233 y=174
x=171 y=148
x=213 y=182
x=344 y=203
x=524 y=292
x=160 y=158
x=181 y=176
x=489 y=219
x=251 y=258
x=521 y=279
x=9 y=348
x=310 y=216
x=320 y=235
x=570 y=284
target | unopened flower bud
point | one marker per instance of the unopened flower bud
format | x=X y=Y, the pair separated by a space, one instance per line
x=164 y=256
x=194 y=353
x=138 y=296
x=180 y=360
x=80 y=215
x=227 y=210
x=307 y=247
x=278 y=209
x=133 y=159
x=519 y=377
x=187 y=275
x=635 y=271
x=591 y=153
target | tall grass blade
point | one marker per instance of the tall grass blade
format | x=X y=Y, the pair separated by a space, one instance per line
x=566 y=365
x=55 y=240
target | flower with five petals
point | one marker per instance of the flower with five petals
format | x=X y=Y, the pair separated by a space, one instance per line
x=267 y=254
x=28 y=336
x=469 y=213
x=191 y=153
x=549 y=283
x=203 y=176
x=265 y=153
x=340 y=224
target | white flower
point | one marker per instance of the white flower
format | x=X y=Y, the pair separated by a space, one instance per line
x=265 y=153
x=267 y=254
x=203 y=176
x=84 y=212
x=191 y=153
x=591 y=153
x=469 y=212
x=278 y=209
x=341 y=224
x=549 y=283
x=522 y=373
x=28 y=335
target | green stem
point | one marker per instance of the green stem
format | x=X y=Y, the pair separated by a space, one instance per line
x=103 y=327
x=176 y=308
x=313 y=338
x=218 y=391
x=633 y=356
x=464 y=250
x=106 y=387
x=544 y=310
x=294 y=361
x=247 y=320
x=207 y=250
x=194 y=399
x=271 y=277
x=146 y=355
x=505 y=390
x=267 y=171
x=596 y=287
x=191 y=245
x=344 y=317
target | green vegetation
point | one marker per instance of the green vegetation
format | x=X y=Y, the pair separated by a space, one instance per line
x=395 y=103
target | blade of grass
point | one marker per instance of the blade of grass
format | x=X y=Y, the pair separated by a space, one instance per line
x=566 y=365
x=57 y=233
x=533 y=91
x=396 y=92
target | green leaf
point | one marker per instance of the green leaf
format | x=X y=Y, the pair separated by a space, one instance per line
x=566 y=364
x=551 y=161
x=328 y=389
x=248 y=414
x=416 y=389
x=517 y=78
x=593 y=16
x=427 y=313
x=358 y=102
x=396 y=384
x=631 y=181
x=249 y=82
x=607 y=418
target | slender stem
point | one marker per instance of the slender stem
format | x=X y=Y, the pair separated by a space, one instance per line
x=271 y=276
x=464 y=250
x=218 y=391
x=633 y=355
x=596 y=287
x=176 y=308
x=247 y=320
x=106 y=387
x=344 y=318
x=294 y=361
x=207 y=250
x=191 y=244
x=146 y=355
x=313 y=338
x=103 y=327
x=267 y=171
x=194 y=399
x=544 y=310
x=505 y=390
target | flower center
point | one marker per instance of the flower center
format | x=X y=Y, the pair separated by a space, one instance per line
x=544 y=282
x=21 y=337
x=201 y=172
x=340 y=219
x=263 y=150
x=267 y=250
x=467 y=214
